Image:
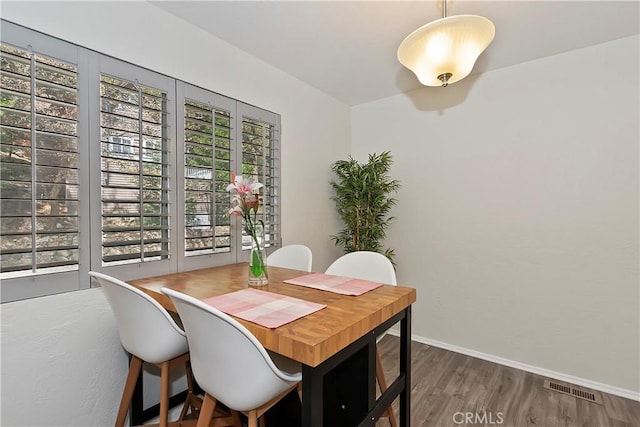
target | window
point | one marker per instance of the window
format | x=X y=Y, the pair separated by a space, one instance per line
x=221 y=136
x=43 y=207
x=207 y=169
x=121 y=145
x=111 y=167
x=261 y=162
x=134 y=176
x=39 y=162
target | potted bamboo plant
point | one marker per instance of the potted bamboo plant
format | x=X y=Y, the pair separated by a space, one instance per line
x=363 y=201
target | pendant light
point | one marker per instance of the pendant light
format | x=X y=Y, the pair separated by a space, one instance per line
x=444 y=51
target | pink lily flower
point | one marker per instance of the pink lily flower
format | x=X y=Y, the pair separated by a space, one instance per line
x=242 y=186
x=245 y=198
x=252 y=202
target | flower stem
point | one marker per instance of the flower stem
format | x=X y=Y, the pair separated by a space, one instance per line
x=257 y=262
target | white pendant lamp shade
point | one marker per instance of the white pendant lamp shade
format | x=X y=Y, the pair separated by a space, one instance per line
x=444 y=51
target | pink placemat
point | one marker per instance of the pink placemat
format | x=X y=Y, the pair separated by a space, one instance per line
x=336 y=284
x=264 y=308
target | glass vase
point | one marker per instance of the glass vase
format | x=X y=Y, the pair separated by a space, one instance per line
x=258 y=273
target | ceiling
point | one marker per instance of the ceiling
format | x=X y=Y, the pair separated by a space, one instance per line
x=347 y=49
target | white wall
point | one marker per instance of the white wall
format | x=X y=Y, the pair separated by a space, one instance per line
x=315 y=132
x=62 y=362
x=518 y=213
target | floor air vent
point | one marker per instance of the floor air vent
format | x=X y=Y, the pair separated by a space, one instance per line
x=570 y=390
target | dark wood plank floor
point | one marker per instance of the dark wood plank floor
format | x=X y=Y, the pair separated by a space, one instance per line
x=451 y=389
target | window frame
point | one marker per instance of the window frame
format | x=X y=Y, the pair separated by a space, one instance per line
x=126 y=71
x=187 y=91
x=47 y=282
x=258 y=114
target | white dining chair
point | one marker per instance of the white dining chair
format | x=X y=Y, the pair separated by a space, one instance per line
x=375 y=267
x=230 y=364
x=364 y=265
x=295 y=257
x=149 y=333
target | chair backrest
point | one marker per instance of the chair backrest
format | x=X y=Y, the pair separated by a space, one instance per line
x=228 y=362
x=146 y=329
x=295 y=257
x=364 y=265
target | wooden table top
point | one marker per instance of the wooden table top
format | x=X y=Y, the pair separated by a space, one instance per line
x=309 y=340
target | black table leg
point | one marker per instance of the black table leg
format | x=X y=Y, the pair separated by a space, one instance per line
x=312 y=390
x=340 y=392
x=405 y=368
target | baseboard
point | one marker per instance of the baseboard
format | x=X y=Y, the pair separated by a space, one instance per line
x=628 y=394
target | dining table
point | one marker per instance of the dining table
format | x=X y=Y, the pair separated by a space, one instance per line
x=335 y=345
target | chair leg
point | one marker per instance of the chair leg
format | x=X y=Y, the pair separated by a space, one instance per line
x=164 y=394
x=192 y=403
x=253 y=418
x=127 y=393
x=382 y=382
x=187 y=403
x=206 y=412
x=235 y=415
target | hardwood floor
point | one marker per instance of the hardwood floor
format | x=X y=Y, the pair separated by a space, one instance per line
x=451 y=389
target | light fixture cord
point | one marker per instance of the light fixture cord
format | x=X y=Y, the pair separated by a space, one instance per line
x=444 y=77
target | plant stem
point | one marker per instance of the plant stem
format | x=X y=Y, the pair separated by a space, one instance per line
x=252 y=232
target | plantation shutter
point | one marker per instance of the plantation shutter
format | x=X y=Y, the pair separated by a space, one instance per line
x=207 y=145
x=111 y=167
x=38 y=163
x=260 y=161
x=220 y=136
x=134 y=172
